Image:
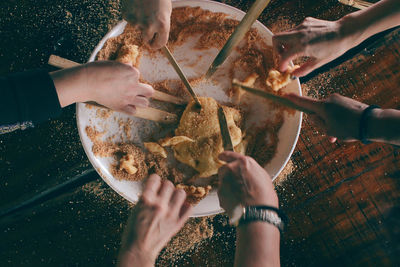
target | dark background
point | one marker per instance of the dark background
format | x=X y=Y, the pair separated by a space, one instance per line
x=340 y=198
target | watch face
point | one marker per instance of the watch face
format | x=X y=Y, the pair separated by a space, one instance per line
x=237 y=213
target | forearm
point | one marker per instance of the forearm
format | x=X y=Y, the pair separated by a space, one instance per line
x=384 y=126
x=70 y=86
x=134 y=257
x=257 y=245
x=362 y=24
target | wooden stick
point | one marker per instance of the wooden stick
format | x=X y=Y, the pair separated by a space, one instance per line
x=161 y=96
x=181 y=75
x=238 y=34
x=356 y=3
x=279 y=99
x=148 y=113
x=64 y=63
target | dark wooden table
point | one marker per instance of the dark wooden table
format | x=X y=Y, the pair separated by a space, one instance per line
x=341 y=198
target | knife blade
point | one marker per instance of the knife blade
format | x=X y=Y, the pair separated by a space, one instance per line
x=238 y=34
x=223 y=124
x=180 y=73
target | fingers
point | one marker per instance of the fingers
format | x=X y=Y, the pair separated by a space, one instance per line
x=306 y=68
x=285 y=58
x=140 y=101
x=166 y=190
x=177 y=198
x=184 y=213
x=161 y=37
x=229 y=156
x=309 y=103
x=286 y=48
x=148 y=33
x=318 y=121
x=152 y=185
x=129 y=109
x=144 y=89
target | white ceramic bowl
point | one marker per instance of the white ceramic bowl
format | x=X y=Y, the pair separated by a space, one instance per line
x=159 y=69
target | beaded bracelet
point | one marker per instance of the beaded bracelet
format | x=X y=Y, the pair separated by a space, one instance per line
x=363 y=123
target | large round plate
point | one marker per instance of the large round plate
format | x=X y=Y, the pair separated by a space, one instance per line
x=159 y=69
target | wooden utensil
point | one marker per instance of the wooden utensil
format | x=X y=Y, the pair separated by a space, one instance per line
x=144 y=113
x=276 y=98
x=238 y=34
x=148 y=113
x=64 y=63
x=181 y=75
x=223 y=124
x=356 y=3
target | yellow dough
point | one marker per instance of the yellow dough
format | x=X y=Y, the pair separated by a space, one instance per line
x=277 y=80
x=203 y=127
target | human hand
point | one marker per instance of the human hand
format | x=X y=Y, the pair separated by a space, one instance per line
x=152 y=16
x=158 y=216
x=321 y=40
x=339 y=116
x=243 y=181
x=111 y=84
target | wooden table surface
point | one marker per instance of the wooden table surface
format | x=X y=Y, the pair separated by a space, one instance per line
x=341 y=198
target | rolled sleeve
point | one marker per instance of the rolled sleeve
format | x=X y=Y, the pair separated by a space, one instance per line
x=28 y=96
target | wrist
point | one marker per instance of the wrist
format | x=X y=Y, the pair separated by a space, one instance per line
x=368 y=125
x=70 y=85
x=349 y=31
x=137 y=257
x=374 y=127
x=271 y=200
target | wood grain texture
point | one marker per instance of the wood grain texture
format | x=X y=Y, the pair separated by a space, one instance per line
x=342 y=199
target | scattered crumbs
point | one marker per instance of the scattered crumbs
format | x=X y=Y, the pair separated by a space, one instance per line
x=289 y=168
x=192 y=233
x=103 y=113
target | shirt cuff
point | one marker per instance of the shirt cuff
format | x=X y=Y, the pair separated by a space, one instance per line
x=36 y=95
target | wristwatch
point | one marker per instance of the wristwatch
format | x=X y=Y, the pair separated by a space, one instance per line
x=247 y=214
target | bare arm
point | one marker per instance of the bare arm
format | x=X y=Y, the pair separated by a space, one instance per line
x=381 y=16
x=111 y=84
x=340 y=117
x=323 y=41
x=257 y=245
x=243 y=181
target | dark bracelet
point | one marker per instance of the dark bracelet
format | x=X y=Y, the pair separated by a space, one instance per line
x=364 y=123
x=280 y=222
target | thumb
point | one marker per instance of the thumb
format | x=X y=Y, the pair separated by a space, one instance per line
x=306 y=68
x=305 y=102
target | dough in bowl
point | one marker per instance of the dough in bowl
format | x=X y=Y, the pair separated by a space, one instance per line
x=202 y=126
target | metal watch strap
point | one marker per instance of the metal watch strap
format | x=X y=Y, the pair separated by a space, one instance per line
x=262 y=213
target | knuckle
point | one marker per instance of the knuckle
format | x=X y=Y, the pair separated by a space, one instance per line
x=146 y=200
x=159 y=207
